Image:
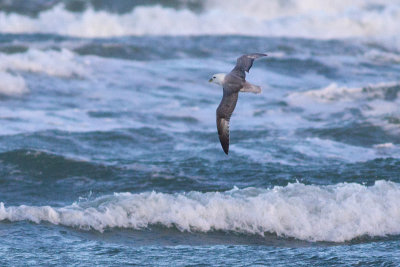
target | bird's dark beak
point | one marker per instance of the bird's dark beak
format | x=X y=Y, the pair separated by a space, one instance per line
x=210 y=80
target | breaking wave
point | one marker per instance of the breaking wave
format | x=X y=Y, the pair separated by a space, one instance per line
x=12 y=85
x=62 y=63
x=335 y=93
x=377 y=103
x=334 y=213
x=294 y=18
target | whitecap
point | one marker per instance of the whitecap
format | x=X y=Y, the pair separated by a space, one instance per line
x=295 y=18
x=334 y=213
x=63 y=63
x=12 y=85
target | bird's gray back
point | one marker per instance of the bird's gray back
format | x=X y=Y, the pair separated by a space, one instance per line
x=233 y=82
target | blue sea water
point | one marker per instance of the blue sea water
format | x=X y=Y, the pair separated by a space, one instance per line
x=109 y=154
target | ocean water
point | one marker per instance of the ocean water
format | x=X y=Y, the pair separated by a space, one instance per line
x=109 y=154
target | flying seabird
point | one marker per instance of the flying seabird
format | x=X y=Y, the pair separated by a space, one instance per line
x=233 y=83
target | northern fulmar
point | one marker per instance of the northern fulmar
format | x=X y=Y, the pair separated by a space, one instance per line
x=233 y=83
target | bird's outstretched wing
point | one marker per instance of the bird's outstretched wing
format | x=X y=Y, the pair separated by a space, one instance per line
x=224 y=113
x=244 y=63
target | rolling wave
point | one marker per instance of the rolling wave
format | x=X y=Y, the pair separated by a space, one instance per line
x=373 y=107
x=337 y=19
x=12 y=85
x=335 y=213
x=62 y=63
x=53 y=63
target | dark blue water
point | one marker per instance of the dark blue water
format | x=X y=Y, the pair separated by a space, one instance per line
x=109 y=153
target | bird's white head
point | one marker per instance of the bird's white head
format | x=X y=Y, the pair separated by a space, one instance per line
x=218 y=78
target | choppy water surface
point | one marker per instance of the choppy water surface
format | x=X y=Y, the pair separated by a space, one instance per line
x=108 y=147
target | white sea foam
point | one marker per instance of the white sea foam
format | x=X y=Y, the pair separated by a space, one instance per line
x=384 y=146
x=12 y=85
x=381 y=99
x=375 y=102
x=62 y=63
x=311 y=18
x=331 y=150
x=330 y=93
x=334 y=213
x=333 y=93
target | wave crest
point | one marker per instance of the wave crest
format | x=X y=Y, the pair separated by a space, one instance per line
x=53 y=63
x=62 y=63
x=312 y=18
x=334 y=213
x=12 y=85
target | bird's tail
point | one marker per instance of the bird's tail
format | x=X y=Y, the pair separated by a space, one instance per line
x=248 y=87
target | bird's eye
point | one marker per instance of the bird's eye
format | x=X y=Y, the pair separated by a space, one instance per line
x=214 y=77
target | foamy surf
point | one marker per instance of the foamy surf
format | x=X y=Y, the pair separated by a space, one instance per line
x=334 y=213
x=63 y=63
x=12 y=85
x=333 y=93
x=336 y=19
x=377 y=103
